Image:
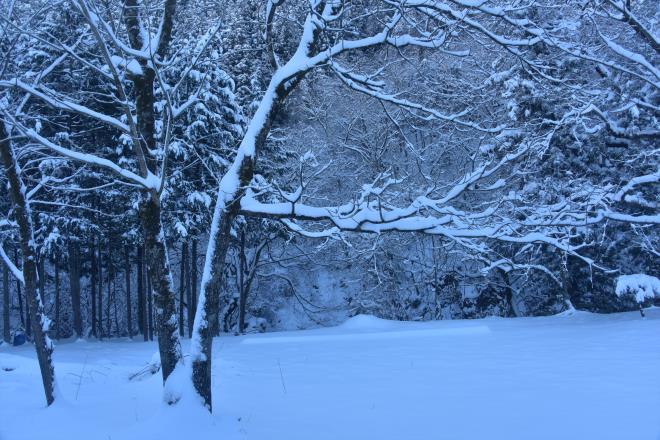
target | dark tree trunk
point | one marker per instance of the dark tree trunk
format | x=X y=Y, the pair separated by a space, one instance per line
x=114 y=306
x=100 y=290
x=92 y=286
x=108 y=303
x=150 y=307
x=74 y=287
x=19 y=290
x=242 y=298
x=41 y=267
x=192 y=300
x=57 y=299
x=42 y=343
x=5 y=304
x=508 y=294
x=202 y=365
x=159 y=271
x=226 y=210
x=161 y=284
x=129 y=314
x=182 y=286
x=142 y=305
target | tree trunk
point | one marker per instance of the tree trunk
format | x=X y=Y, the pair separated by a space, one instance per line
x=142 y=309
x=511 y=309
x=41 y=268
x=110 y=298
x=18 y=292
x=57 y=299
x=92 y=286
x=182 y=285
x=192 y=291
x=114 y=306
x=242 y=263
x=5 y=304
x=209 y=304
x=21 y=207
x=150 y=307
x=74 y=287
x=226 y=208
x=100 y=290
x=161 y=284
x=129 y=314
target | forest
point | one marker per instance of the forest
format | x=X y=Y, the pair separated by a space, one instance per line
x=183 y=171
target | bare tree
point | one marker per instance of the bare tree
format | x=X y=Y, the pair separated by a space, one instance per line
x=28 y=275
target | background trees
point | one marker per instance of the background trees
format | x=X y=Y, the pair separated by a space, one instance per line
x=255 y=153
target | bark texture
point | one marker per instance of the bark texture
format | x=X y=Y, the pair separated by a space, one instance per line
x=21 y=211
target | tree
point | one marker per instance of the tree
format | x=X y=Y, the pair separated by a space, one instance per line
x=28 y=275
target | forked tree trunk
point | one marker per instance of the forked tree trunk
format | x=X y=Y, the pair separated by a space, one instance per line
x=21 y=208
x=226 y=209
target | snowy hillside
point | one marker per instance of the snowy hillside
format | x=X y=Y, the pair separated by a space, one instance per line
x=581 y=376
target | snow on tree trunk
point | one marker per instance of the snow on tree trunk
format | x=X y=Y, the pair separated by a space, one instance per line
x=161 y=283
x=39 y=320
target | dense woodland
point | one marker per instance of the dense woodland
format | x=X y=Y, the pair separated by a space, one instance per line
x=177 y=168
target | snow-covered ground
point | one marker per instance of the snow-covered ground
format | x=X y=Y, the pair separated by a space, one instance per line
x=564 y=377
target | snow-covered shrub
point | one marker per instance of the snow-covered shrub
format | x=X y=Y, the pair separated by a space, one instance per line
x=640 y=286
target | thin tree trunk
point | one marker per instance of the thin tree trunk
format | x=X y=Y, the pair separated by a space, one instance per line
x=114 y=307
x=150 y=306
x=108 y=303
x=192 y=300
x=18 y=291
x=92 y=286
x=41 y=267
x=21 y=207
x=74 y=287
x=142 y=310
x=100 y=290
x=182 y=286
x=129 y=315
x=241 y=284
x=58 y=325
x=5 y=304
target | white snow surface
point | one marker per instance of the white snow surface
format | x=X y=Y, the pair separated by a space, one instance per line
x=581 y=376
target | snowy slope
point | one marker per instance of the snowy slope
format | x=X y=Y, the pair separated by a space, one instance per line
x=565 y=377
